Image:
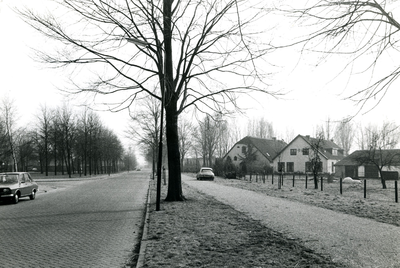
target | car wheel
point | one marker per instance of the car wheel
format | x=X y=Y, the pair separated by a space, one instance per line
x=33 y=195
x=15 y=199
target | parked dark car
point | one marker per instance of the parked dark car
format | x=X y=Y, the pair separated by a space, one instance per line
x=205 y=173
x=15 y=185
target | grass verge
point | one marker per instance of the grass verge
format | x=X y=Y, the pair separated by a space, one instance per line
x=202 y=232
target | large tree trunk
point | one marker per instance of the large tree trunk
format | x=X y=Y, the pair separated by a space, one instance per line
x=174 y=166
x=315 y=180
x=170 y=104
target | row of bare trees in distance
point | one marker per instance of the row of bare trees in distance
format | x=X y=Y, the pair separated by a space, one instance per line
x=60 y=141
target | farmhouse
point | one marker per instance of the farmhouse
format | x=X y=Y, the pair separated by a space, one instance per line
x=364 y=163
x=297 y=155
x=261 y=151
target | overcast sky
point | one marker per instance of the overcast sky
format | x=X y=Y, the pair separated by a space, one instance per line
x=312 y=96
x=30 y=83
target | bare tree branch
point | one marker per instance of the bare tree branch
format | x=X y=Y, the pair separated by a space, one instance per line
x=364 y=30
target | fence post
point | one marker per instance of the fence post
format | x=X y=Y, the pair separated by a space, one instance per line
x=293 y=179
x=164 y=175
x=280 y=180
x=322 y=183
x=306 y=180
x=341 y=185
x=272 y=177
x=365 y=188
x=396 y=194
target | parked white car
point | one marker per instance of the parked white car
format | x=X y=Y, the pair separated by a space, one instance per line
x=205 y=173
x=350 y=180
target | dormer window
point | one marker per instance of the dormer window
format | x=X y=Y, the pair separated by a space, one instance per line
x=334 y=151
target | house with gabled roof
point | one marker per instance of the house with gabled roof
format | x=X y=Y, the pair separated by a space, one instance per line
x=296 y=156
x=263 y=151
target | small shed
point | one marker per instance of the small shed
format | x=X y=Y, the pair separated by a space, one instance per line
x=362 y=163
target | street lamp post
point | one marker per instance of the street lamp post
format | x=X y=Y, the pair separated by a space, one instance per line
x=159 y=163
x=160 y=144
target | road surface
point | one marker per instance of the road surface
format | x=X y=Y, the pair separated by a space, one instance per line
x=93 y=223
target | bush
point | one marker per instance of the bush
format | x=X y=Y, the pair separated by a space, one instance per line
x=230 y=175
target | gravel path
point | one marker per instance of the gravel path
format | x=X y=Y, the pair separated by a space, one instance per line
x=354 y=241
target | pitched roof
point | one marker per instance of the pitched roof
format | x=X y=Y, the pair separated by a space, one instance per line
x=360 y=157
x=268 y=147
x=325 y=144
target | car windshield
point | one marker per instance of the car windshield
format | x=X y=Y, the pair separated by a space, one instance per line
x=8 y=179
x=206 y=171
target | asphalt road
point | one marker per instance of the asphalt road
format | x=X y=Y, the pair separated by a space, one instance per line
x=92 y=223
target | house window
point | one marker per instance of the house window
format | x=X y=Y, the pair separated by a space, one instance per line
x=308 y=167
x=306 y=151
x=290 y=166
x=235 y=158
x=334 y=151
x=293 y=152
x=243 y=149
x=320 y=167
x=281 y=166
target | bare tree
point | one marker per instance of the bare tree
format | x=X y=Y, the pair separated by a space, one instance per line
x=144 y=129
x=236 y=131
x=67 y=127
x=130 y=160
x=384 y=137
x=44 y=120
x=26 y=151
x=112 y=150
x=260 y=128
x=3 y=148
x=325 y=129
x=8 y=114
x=344 y=135
x=289 y=134
x=364 y=31
x=381 y=142
x=224 y=142
x=194 y=50
x=94 y=129
x=207 y=139
x=314 y=151
x=186 y=142
x=361 y=137
x=88 y=127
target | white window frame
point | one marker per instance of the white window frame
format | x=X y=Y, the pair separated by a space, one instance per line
x=361 y=171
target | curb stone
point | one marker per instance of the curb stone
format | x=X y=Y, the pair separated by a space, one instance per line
x=143 y=240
